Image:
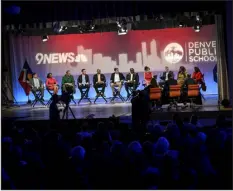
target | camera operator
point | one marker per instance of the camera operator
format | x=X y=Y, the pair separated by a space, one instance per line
x=54 y=112
x=140 y=110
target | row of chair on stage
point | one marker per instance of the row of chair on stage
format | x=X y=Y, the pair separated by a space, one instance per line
x=168 y=90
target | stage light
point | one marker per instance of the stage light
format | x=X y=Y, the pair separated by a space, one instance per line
x=181 y=24
x=122 y=31
x=45 y=38
x=197 y=28
x=90 y=26
x=122 y=27
x=58 y=28
x=80 y=29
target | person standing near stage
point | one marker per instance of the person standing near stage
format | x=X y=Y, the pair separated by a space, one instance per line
x=37 y=85
x=147 y=76
x=84 y=83
x=99 y=81
x=116 y=80
x=51 y=83
x=68 y=83
x=132 y=80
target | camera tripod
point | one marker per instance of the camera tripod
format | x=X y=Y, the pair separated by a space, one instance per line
x=5 y=99
x=66 y=111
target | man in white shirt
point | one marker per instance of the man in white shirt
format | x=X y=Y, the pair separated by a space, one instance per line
x=132 y=80
x=116 y=80
x=36 y=85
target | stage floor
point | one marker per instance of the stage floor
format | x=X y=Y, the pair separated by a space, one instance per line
x=102 y=110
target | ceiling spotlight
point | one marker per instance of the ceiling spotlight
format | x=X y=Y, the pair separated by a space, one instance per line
x=122 y=31
x=197 y=28
x=197 y=17
x=122 y=27
x=80 y=28
x=90 y=26
x=45 y=38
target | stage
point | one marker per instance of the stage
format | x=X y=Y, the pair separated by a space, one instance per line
x=209 y=109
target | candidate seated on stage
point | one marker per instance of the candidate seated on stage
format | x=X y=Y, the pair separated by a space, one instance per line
x=84 y=83
x=164 y=76
x=51 y=83
x=37 y=85
x=99 y=81
x=68 y=83
x=132 y=80
x=116 y=80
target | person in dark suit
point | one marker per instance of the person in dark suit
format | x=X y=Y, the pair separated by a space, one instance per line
x=37 y=85
x=99 y=81
x=132 y=80
x=164 y=76
x=171 y=81
x=116 y=80
x=83 y=82
x=189 y=81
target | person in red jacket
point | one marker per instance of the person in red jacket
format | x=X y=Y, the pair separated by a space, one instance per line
x=197 y=75
x=147 y=76
x=51 y=83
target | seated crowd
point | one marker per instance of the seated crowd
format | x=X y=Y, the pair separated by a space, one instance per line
x=178 y=154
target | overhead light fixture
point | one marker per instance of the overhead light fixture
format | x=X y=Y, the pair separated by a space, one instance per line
x=197 y=17
x=197 y=28
x=58 y=28
x=122 y=31
x=45 y=38
x=90 y=26
x=122 y=27
x=80 y=29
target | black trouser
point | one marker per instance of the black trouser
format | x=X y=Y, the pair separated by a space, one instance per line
x=68 y=89
x=96 y=86
x=81 y=87
x=127 y=85
x=40 y=89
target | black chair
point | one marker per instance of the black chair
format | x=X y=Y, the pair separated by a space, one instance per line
x=84 y=92
x=72 y=94
x=38 y=98
x=101 y=95
x=117 y=95
x=130 y=88
x=51 y=95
